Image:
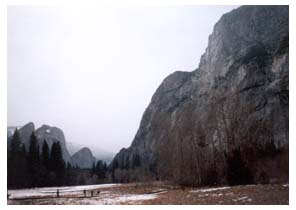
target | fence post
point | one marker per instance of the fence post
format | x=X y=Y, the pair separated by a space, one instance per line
x=58 y=193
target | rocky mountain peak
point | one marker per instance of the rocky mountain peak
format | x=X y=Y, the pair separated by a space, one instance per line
x=51 y=135
x=44 y=133
x=241 y=33
x=25 y=133
x=235 y=102
x=83 y=158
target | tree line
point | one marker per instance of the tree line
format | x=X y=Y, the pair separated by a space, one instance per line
x=44 y=167
x=232 y=144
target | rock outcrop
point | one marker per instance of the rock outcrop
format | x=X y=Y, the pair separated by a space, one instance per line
x=98 y=153
x=83 y=158
x=51 y=135
x=236 y=100
x=45 y=132
x=25 y=133
x=10 y=131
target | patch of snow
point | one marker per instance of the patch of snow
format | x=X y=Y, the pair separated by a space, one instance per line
x=106 y=196
x=114 y=200
x=46 y=191
x=285 y=185
x=138 y=197
x=209 y=189
x=47 y=131
x=212 y=194
x=242 y=198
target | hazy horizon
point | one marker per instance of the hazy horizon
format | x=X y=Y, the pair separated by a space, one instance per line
x=92 y=71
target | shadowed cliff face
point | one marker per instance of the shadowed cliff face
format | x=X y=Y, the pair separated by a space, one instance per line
x=51 y=135
x=233 y=107
x=45 y=132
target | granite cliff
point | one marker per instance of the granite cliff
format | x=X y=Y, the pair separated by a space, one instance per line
x=44 y=133
x=229 y=118
x=83 y=158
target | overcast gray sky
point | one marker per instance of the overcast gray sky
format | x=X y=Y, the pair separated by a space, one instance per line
x=92 y=71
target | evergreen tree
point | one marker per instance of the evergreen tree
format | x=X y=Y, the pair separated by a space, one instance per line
x=57 y=163
x=45 y=155
x=16 y=163
x=34 y=161
x=93 y=169
x=105 y=167
x=15 y=143
x=114 y=166
x=23 y=167
x=100 y=170
x=11 y=173
x=44 y=167
x=69 y=175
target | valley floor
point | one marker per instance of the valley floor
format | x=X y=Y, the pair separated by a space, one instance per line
x=152 y=193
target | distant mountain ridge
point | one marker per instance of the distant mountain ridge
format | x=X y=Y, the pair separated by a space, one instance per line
x=98 y=153
x=72 y=153
x=83 y=158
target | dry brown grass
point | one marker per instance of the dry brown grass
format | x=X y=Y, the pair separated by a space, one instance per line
x=174 y=195
x=238 y=195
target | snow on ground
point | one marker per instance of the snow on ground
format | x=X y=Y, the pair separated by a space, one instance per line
x=49 y=191
x=124 y=198
x=246 y=198
x=212 y=194
x=107 y=199
x=115 y=200
x=209 y=189
x=106 y=196
x=153 y=194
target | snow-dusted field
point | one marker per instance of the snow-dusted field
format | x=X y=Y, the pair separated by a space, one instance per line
x=75 y=195
x=153 y=193
x=52 y=191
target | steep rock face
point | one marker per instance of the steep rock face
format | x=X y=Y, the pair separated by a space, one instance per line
x=10 y=130
x=237 y=98
x=51 y=135
x=45 y=132
x=24 y=133
x=83 y=158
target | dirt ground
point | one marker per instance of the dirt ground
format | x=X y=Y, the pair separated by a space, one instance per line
x=161 y=193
